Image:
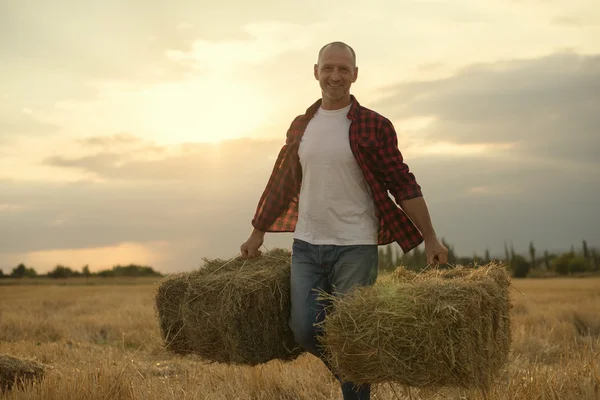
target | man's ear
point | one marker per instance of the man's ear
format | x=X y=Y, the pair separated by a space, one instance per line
x=355 y=77
x=316 y=71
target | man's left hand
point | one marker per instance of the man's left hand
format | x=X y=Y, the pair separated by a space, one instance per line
x=436 y=252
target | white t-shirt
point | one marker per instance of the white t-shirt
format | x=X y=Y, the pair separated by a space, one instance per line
x=335 y=204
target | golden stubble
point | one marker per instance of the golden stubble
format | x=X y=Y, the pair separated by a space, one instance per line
x=103 y=342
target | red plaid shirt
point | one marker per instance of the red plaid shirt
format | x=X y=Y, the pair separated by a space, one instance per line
x=374 y=144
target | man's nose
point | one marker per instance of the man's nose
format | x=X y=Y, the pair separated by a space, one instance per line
x=335 y=75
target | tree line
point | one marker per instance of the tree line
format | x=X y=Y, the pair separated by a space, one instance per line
x=579 y=260
x=60 y=271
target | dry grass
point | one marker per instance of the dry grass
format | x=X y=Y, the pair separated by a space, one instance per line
x=103 y=342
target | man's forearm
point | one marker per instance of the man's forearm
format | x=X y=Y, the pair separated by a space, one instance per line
x=417 y=211
x=258 y=233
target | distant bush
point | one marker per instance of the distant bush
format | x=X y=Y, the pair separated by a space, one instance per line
x=61 y=271
x=21 y=271
x=519 y=266
x=129 y=271
x=569 y=263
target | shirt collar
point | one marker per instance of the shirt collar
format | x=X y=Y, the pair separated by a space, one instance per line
x=352 y=113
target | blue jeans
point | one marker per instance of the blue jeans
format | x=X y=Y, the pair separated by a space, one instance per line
x=335 y=269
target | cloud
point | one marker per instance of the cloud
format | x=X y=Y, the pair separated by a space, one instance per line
x=23 y=122
x=570 y=21
x=128 y=158
x=547 y=107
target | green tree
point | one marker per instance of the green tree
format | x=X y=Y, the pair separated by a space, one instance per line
x=519 y=266
x=21 y=271
x=570 y=263
x=586 y=253
x=595 y=260
x=532 y=254
x=85 y=271
x=60 y=271
x=546 y=259
x=487 y=258
x=418 y=258
x=451 y=254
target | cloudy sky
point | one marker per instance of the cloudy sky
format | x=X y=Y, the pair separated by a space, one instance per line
x=145 y=131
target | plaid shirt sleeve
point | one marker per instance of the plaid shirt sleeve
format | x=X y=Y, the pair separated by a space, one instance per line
x=396 y=175
x=278 y=201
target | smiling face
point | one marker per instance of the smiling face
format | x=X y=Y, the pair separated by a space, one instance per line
x=336 y=72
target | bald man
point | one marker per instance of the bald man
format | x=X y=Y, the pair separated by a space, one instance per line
x=330 y=186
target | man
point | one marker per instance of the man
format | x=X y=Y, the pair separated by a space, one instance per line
x=330 y=187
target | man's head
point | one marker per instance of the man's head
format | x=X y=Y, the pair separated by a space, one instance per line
x=336 y=71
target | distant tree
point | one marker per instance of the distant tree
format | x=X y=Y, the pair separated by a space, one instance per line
x=569 y=263
x=586 y=253
x=451 y=254
x=85 y=271
x=595 y=260
x=386 y=259
x=60 y=271
x=532 y=254
x=546 y=259
x=1 y=274
x=487 y=258
x=133 y=270
x=21 y=271
x=519 y=266
x=418 y=258
x=389 y=257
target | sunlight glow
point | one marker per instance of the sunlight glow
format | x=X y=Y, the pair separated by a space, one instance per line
x=97 y=258
x=203 y=111
x=460 y=149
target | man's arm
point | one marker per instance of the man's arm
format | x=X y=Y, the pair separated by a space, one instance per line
x=403 y=185
x=417 y=211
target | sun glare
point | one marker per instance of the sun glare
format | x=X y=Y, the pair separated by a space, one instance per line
x=203 y=111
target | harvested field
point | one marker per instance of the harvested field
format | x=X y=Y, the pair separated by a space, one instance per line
x=103 y=342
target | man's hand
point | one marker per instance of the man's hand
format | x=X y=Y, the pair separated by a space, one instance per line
x=435 y=251
x=250 y=248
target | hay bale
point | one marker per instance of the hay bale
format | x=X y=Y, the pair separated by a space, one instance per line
x=167 y=305
x=17 y=371
x=429 y=330
x=233 y=311
x=168 y=301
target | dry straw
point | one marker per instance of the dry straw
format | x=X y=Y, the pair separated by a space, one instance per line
x=234 y=311
x=441 y=328
x=18 y=372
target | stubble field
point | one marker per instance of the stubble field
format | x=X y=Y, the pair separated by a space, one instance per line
x=102 y=342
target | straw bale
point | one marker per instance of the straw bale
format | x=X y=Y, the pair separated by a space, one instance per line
x=234 y=311
x=167 y=305
x=17 y=371
x=430 y=330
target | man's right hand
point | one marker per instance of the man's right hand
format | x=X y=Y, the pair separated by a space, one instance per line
x=250 y=248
